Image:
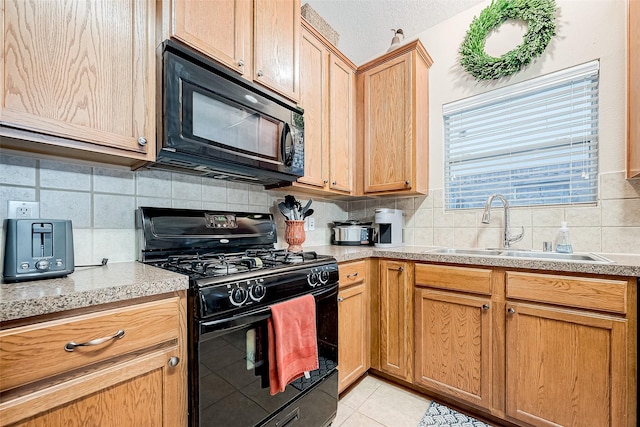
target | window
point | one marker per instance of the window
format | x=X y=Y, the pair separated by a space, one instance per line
x=534 y=142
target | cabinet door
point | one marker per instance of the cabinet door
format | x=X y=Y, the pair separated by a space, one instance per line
x=314 y=59
x=276 y=43
x=453 y=345
x=342 y=124
x=220 y=29
x=82 y=70
x=145 y=391
x=396 y=319
x=388 y=126
x=352 y=334
x=565 y=367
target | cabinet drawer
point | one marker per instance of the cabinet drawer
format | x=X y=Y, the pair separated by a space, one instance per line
x=34 y=352
x=466 y=279
x=353 y=272
x=580 y=292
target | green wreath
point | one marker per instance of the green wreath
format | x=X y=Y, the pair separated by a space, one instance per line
x=540 y=18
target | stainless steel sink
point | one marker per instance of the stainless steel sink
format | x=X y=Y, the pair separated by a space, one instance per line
x=582 y=257
x=453 y=251
x=509 y=253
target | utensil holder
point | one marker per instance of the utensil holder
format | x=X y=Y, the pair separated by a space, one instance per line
x=294 y=235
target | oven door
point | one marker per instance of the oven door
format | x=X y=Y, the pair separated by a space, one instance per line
x=229 y=375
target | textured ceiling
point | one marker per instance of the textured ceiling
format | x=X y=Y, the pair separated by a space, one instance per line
x=365 y=26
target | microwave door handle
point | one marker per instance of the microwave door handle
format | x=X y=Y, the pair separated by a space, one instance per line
x=286 y=145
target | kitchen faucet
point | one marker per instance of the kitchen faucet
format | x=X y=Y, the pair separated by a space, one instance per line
x=507 y=239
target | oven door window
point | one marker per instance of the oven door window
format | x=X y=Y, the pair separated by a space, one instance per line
x=232 y=126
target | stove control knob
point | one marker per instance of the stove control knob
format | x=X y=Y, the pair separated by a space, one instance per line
x=257 y=292
x=313 y=279
x=238 y=296
x=324 y=277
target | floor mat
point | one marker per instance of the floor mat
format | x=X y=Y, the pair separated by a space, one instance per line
x=438 y=415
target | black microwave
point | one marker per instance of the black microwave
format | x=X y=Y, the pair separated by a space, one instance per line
x=215 y=124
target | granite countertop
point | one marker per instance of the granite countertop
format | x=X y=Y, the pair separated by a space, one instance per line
x=86 y=287
x=623 y=265
x=91 y=286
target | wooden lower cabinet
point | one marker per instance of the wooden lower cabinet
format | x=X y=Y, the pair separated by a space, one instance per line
x=395 y=319
x=112 y=383
x=453 y=345
x=565 y=367
x=353 y=323
x=530 y=348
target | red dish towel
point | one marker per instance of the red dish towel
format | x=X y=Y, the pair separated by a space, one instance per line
x=293 y=344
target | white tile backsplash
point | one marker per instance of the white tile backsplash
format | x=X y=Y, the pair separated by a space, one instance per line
x=101 y=202
x=73 y=205
x=66 y=176
x=112 y=211
x=17 y=170
x=114 y=181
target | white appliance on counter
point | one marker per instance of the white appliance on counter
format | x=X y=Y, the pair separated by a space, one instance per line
x=389 y=224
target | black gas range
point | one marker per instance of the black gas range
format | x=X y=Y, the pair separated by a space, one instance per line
x=235 y=274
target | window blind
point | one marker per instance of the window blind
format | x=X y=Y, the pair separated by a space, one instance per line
x=534 y=142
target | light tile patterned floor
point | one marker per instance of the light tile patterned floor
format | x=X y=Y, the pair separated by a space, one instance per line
x=377 y=403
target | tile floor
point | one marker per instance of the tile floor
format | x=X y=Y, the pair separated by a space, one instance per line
x=376 y=403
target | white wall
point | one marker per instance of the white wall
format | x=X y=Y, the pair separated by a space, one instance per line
x=586 y=30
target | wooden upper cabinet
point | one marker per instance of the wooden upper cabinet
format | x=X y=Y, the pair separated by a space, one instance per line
x=259 y=39
x=79 y=76
x=633 y=91
x=223 y=32
x=327 y=95
x=276 y=41
x=342 y=124
x=393 y=117
x=314 y=61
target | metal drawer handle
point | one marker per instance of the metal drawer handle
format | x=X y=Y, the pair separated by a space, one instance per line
x=340 y=299
x=352 y=275
x=70 y=346
x=400 y=269
x=511 y=310
x=485 y=306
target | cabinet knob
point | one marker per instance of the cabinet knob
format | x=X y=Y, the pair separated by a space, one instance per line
x=142 y=141
x=241 y=63
x=340 y=299
x=400 y=269
x=260 y=73
x=334 y=183
x=174 y=361
x=407 y=183
x=326 y=181
x=511 y=310
x=485 y=306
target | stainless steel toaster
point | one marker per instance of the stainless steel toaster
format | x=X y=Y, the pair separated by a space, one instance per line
x=37 y=249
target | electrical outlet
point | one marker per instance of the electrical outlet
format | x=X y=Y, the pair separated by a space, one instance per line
x=306 y=224
x=23 y=210
x=311 y=223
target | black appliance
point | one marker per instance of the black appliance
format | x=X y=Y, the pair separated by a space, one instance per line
x=37 y=249
x=213 y=123
x=235 y=275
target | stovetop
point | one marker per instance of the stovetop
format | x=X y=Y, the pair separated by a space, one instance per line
x=220 y=267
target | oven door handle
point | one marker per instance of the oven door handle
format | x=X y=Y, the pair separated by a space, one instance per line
x=219 y=327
